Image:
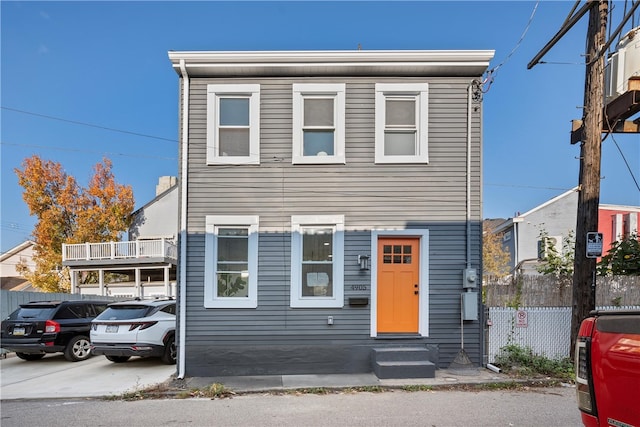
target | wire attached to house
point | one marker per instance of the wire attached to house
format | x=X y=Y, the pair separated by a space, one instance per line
x=491 y=74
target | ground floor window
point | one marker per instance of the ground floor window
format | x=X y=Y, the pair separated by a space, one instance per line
x=317 y=261
x=231 y=263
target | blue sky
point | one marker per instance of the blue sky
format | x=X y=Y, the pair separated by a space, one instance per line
x=105 y=64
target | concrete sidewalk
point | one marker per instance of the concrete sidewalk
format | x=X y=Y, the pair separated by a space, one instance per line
x=246 y=384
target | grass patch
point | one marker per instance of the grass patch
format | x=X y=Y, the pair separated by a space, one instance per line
x=523 y=362
x=151 y=392
x=417 y=388
x=214 y=391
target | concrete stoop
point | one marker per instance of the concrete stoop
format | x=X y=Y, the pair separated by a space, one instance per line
x=402 y=362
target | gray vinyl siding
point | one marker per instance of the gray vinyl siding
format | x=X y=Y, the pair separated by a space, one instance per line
x=274 y=337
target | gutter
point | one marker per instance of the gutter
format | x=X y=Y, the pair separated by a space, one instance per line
x=182 y=299
x=459 y=63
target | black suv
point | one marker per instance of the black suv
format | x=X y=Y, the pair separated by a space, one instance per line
x=37 y=328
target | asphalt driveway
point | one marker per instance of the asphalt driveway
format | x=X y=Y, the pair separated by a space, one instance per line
x=55 y=377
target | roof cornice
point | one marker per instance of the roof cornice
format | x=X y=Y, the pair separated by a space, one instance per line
x=340 y=62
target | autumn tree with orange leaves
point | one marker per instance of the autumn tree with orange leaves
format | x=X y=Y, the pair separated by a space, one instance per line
x=69 y=213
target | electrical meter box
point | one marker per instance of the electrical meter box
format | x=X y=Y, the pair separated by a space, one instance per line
x=469 y=306
x=469 y=278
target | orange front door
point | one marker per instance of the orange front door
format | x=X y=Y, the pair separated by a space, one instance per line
x=398 y=285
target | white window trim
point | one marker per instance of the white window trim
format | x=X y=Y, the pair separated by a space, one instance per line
x=421 y=91
x=296 y=298
x=212 y=222
x=253 y=92
x=338 y=92
x=423 y=314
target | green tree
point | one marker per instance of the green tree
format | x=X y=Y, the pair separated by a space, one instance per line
x=623 y=259
x=557 y=258
x=69 y=213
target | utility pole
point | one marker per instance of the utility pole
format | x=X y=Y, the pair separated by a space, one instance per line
x=589 y=134
x=584 y=270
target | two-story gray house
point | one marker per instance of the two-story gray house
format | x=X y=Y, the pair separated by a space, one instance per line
x=330 y=214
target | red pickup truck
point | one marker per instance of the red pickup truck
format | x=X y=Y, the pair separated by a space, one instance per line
x=607 y=362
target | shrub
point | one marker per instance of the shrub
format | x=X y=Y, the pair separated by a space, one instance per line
x=522 y=361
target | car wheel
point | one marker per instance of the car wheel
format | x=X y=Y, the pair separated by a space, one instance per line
x=117 y=359
x=170 y=351
x=79 y=348
x=30 y=356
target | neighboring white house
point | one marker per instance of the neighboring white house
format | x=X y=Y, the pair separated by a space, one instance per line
x=143 y=266
x=10 y=279
x=556 y=219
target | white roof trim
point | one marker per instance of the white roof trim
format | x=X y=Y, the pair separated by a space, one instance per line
x=620 y=208
x=17 y=249
x=548 y=202
x=398 y=62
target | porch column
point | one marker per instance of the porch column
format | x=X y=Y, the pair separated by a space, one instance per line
x=138 y=287
x=74 y=281
x=167 y=286
x=101 y=281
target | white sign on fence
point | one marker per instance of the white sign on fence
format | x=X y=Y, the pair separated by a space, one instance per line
x=521 y=319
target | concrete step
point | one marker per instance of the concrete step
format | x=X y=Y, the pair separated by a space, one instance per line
x=404 y=369
x=403 y=362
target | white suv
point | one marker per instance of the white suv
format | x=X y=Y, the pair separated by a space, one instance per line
x=136 y=328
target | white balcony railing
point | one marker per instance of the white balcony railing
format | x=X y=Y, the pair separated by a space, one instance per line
x=120 y=250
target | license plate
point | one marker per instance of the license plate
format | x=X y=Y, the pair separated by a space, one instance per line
x=112 y=328
x=18 y=331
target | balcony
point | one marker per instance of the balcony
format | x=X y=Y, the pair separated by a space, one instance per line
x=120 y=252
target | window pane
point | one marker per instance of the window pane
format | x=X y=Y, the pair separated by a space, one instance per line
x=400 y=112
x=318 y=143
x=317 y=245
x=317 y=280
x=233 y=249
x=400 y=143
x=234 y=112
x=234 y=142
x=233 y=285
x=318 y=112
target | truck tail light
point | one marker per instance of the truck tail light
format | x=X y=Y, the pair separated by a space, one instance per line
x=51 y=326
x=584 y=381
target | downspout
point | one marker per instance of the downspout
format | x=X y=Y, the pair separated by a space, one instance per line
x=182 y=299
x=469 y=97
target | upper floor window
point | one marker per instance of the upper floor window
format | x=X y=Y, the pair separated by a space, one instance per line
x=318 y=123
x=231 y=262
x=233 y=124
x=401 y=123
x=317 y=261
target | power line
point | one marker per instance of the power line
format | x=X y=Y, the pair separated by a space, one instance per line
x=625 y=162
x=77 y=150
x=88 y=124
x=492 y=73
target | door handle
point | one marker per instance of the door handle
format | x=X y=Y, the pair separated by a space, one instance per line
x=416 y=292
